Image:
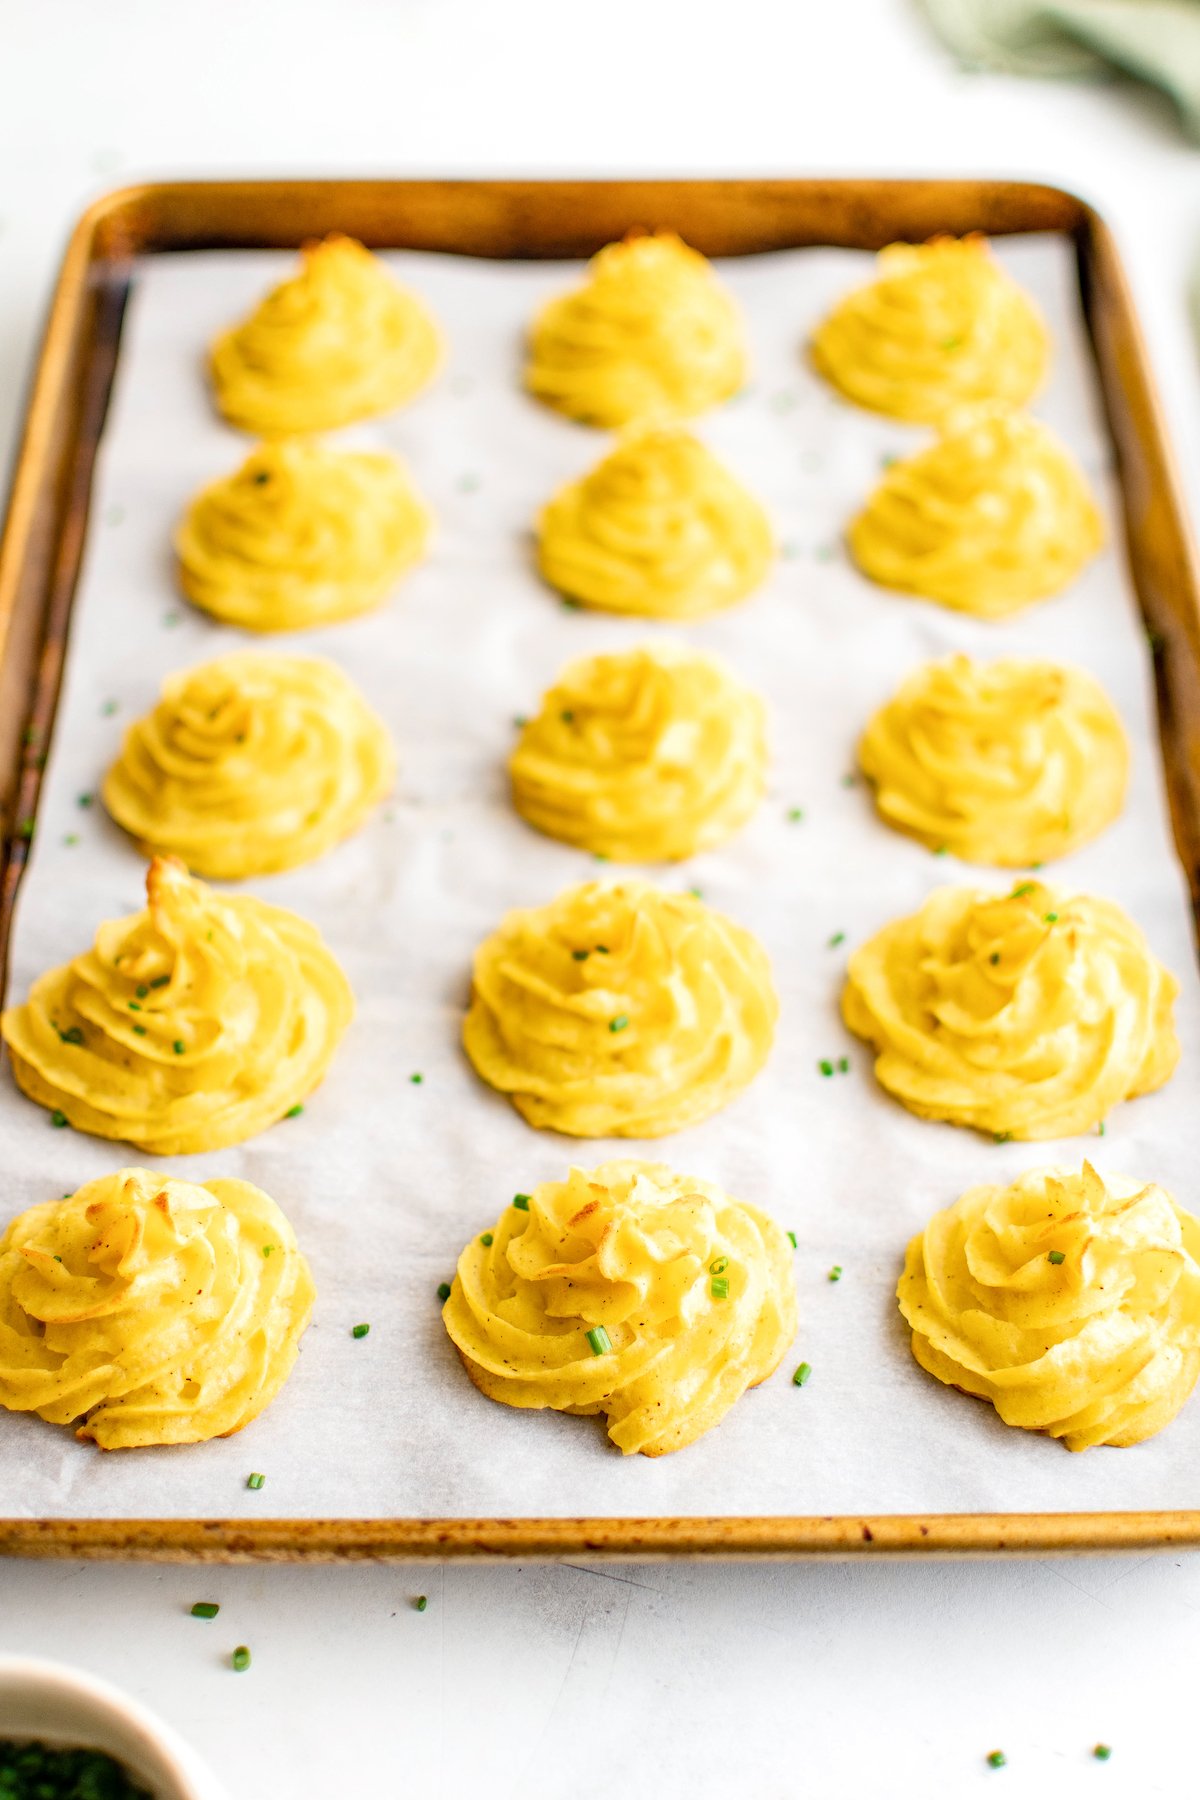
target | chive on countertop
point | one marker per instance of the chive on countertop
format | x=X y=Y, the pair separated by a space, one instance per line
x=37 y=1772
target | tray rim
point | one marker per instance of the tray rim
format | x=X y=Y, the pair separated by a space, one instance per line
x=40 y=545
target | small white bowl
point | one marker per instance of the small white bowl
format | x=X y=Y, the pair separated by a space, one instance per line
x=57 y=1705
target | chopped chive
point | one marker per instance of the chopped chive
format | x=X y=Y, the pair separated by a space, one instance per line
x=141 y=990
x=86 y=800
x=996 y=1759
x=720 y=1287
x=240 y=1659
x=73 y=1036
x=360 y=1331
x=1056 y=1256
x=1001 y=1137
x=718 y=1266
x=255 y=1481
x=825 y=1066
x=839 y=937
x=791 y=1236
x=619 y=1023
x=567 y=716
x=802 y=1374
x=487 y=1240
x=521 y=1202
x=160 y=981
x=843 y=1065
x=1100 y=1129
x=421 y=1602
x=1022 y=888
x=416 y=1078
x=205 y=1609
x=600 y=1341
x=267 y=1249
x=25 y=829
x=835 y=1274
x=59 y=1119
x=601 y=949
x=71 y=839
x=109 y=708
x=139 y=1030
x=178 y=1046
x=850 y=780
x=696 y=893
x=1051 y=918
x=795 y=814
x=581 y=955
x=293 y=1112
x=994 y=958
x=443 y=1292
x=520 y=721
x=133 y=1005
x=942 y=850
x=1101 y=1752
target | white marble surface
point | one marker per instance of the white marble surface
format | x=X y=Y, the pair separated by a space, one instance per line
x=886 y=1680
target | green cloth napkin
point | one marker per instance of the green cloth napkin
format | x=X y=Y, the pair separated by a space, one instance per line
x=1155 y=40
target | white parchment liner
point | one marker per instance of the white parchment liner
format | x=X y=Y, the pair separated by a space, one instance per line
x=385 y=1179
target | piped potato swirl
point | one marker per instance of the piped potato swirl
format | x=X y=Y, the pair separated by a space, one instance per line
x=650 y=334
x=660 y=529
x=644 y=755
x=994 y=516
x=251 y=764
x=1011 y=763
x=1028 y=1015
x=188 y=1027
x=1070 y=1301
x=626 y=1290
x=338 y=341
x=146 y=1310
x=300 y=535
x=942 y=324
x=619 y=1011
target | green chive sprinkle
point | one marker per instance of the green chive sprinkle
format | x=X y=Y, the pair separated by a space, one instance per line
x=267 y=1249
x=825 y=1066
x=720 y=1287
x=1001 y=1137
x=133 y=1005
x=719 y=1266
x=581 y=955
x=1022 y=888
x=942 y=850
x=86 y=800
x=619 y=1023
x=443 y=1292
x=600 y=1341
x=835 y=1274
x=205 y=1609
x=241 y=1659
x=109 y=708
x=843 y=1065
x=1051 y=918
x=141 y=990
x=421 y=1602
x=521 y=1202
x=1100 y=1129
x=802 y=1374
x=996 y=1759
x=601 y=949
x=416 y=1079
x=178 y=1046
x=839 y=937
x=140 y=1030
x=792 y=1240
x=293 y=1112
x=850 y=780
x=73 y=1036
x=520 y=721
x=567 y=716
x=994 y=958
x=59 y=1119
x=255 y=1481
x=160 y=981
x=25 y=829
x=360 y=1331
x=795 y=814
x=487 y=1240
x=1057 y=1256
x=1101 y=1752
x=71 y=839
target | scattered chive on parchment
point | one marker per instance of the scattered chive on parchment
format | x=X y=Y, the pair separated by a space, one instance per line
x=443 y=1292
x=205 y=1609
x=360 y=1331
x=255 y=1481
x=240 y=1659
x=803 y=1371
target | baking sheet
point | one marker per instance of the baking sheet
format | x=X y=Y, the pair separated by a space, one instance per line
x=385 y=1179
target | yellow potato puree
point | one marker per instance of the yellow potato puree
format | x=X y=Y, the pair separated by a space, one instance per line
x=338 y=341
x=942 y=324
x=187 y=1027
x=251 y=764
x=660 y=528
x=1027 y=1015
x=642 y=755
x=300 y=535
x=650 y=334
x=1010 y=763
x=619 y=1011
x=992 y=517
x=1071 y=1302
x=626 y=1290
x=147 y=1310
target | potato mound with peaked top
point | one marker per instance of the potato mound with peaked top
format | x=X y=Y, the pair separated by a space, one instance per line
x=187 y=1027
x=300 y=535
x=626 y=1290
x=644 y=755
x=251 y=764
x=1071 y=1302
x=338 y=341
x=943 y=323
x=1011 y=763
x=146 y=1310
x=650 y=334
x=660 y=528
x=1027 y=1015
x=994 y=516
x=619 y=1011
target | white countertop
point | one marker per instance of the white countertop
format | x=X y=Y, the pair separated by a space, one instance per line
x=735 y=1681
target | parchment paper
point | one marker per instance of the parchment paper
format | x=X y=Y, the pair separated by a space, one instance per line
x=385 y=1179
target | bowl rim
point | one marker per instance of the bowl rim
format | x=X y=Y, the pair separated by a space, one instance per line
x=189 y=1776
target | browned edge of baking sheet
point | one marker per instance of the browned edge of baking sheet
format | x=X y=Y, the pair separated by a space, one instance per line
x=41 y=550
